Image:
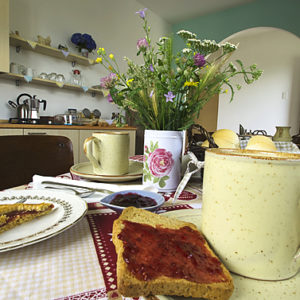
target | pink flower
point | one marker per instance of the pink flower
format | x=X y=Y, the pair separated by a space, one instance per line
x=160 y=162
x=109 y=98
x=142 y=44
x=108 y=81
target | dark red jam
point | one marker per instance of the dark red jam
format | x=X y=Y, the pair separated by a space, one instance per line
x=177 y=253
x=133 y=199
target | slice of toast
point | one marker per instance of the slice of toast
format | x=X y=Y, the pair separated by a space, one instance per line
x=158 y=255
x=12 y=215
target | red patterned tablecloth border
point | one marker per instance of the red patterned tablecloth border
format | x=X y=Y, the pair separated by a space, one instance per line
x=94 y=294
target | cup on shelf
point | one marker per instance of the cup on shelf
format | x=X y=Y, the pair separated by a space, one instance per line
x=21 y=69
x=14 y=68
x=52 y=76
x=60 y=78
x=30 y=72
x=43 y=75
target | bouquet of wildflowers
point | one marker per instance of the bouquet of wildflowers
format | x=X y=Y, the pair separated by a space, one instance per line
x=168 y=90
x=83 y=41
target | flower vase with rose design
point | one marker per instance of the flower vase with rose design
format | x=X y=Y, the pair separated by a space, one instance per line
x=162 y=159
x=167 y=91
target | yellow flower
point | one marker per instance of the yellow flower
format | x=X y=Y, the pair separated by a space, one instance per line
x=101 y=51
x=226 y=91
x=111 y=56
x=99 y=60
x=191 y=83
x=128 y=82
x=110 y=67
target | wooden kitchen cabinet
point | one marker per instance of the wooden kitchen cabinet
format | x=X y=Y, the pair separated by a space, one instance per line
x=77 y=134
x=71 y=134
x=83 y=134
x=4 y=36
x=11 y=131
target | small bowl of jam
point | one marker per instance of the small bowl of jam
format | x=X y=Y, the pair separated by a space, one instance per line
x=137 y=198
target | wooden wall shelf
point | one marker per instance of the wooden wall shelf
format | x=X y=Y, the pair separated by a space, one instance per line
x=50 y=83
x=17 y=41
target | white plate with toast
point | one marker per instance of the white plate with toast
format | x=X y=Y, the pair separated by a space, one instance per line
x=244 y=288
x=68 y=210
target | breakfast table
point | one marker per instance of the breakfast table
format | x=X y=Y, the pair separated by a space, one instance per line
x=80 y=262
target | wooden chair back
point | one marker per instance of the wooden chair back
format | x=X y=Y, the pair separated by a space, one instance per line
x=22 y=156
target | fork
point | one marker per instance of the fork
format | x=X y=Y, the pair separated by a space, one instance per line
x=83 y=194
x=67 y=185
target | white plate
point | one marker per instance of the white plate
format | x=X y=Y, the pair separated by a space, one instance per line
x=244 y=288
x=85 y=170
x=69 y=209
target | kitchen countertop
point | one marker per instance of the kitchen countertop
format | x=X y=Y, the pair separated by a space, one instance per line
x=46 y=126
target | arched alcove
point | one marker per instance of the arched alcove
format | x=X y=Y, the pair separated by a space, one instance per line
x=273 y=100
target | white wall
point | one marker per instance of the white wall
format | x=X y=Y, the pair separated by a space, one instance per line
x=113 y=24
x=273 y=100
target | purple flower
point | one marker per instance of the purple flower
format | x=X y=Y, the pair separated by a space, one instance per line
x=151 y=94
x=141 y=12
x=151 y=68
x=109 y=98
x=199 y=60
x=169 y=97
x=108 y=81
x=142 y=44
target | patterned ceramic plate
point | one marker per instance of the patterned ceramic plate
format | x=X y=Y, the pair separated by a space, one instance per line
x=68 y=210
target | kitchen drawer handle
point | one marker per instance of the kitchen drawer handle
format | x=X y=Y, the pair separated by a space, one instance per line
x=37 y=133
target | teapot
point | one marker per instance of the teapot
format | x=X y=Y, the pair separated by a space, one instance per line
x=23 y=109
x=31 y=105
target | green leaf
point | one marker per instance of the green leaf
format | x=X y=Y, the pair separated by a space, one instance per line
x=161 y=183
x=156 y=179
x=151 y=146
x=147 y=177
x=165 y=178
